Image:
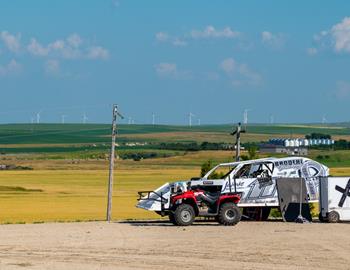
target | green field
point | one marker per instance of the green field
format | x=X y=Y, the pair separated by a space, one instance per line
x=69 y=165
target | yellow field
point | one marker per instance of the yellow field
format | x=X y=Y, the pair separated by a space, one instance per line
x=72 y=192
x=78 y=195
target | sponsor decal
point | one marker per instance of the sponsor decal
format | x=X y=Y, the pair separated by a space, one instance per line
x=345 y=191
x=287 y=164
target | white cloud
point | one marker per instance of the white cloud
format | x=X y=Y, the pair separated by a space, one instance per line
x=312 y=51
x=211 y=32
x=170 y=70
x=97 y=52
x=52 y=67
x=239 y=73
x=165 y=37
x=343 y=89
x=179 y=42
x=12 y=67
x=12 y=42
x=70 y=48
x=74 y=40
x=337 y=37
x=166 y=69
x=272 y=40
x=341 y=35
x=36 y=48
x=162 y=36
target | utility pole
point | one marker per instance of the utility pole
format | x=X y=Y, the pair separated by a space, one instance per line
x=238 y=132
x=111 y=161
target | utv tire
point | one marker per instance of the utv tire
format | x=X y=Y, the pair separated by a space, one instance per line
x=229 y=214
x=184 y=215
x=333 y=217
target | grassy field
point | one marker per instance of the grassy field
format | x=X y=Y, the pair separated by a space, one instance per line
x=74 y=195
x=69 y=165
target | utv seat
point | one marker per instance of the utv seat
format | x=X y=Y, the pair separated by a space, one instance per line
x=209 y=198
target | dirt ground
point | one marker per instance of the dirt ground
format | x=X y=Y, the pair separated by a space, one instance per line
x=158 y=245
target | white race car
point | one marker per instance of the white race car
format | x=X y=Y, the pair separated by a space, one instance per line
x=255 y=180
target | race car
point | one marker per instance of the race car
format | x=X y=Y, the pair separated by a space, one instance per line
x=254 y=180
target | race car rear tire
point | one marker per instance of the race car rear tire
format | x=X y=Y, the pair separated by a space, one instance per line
x=184 y=215
x=229 y=214
x=333 y=217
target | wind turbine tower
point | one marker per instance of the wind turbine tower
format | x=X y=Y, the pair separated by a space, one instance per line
x=324 y=120
x=245 y=116
x=38 y=117
x=63 y=118
x=272 y=119
x=190 y=115
x=153 y=119
x=85 y=118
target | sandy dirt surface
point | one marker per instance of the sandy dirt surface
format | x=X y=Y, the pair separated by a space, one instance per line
x=249 y=245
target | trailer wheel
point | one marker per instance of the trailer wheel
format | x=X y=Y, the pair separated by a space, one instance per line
x=184 y=215
x=229 y=214
x=333 y=217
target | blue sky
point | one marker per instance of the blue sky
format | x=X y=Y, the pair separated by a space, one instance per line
x=289 y=60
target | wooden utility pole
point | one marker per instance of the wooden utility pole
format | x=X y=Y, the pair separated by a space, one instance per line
x=111 y=161
x=238 y=132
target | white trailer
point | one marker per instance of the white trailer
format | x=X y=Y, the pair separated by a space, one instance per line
x=334 y=199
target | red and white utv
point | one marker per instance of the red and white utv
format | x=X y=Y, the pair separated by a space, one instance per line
x=184 y=205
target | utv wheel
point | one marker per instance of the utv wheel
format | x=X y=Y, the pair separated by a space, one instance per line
x=229 y=214
x=333 y=217
x=184 y=215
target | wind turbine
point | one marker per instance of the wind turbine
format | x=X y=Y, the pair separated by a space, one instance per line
x=63 y=118
x=272 y=119
x=245 y=116
x=199 y=121
x=190 y=115
x=324 y=119
x=153 y=119
x=85 y=118
x=38 y=117
x=129 y=120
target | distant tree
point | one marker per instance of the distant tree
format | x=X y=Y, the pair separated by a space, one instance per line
x=206 y=166
x=252 y=152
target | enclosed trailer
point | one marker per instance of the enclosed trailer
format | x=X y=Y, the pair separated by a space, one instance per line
x=334 y=199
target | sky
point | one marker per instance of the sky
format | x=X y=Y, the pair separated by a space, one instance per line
x=282 y=61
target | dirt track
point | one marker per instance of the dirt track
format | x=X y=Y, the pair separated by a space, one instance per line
x=249 y=245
